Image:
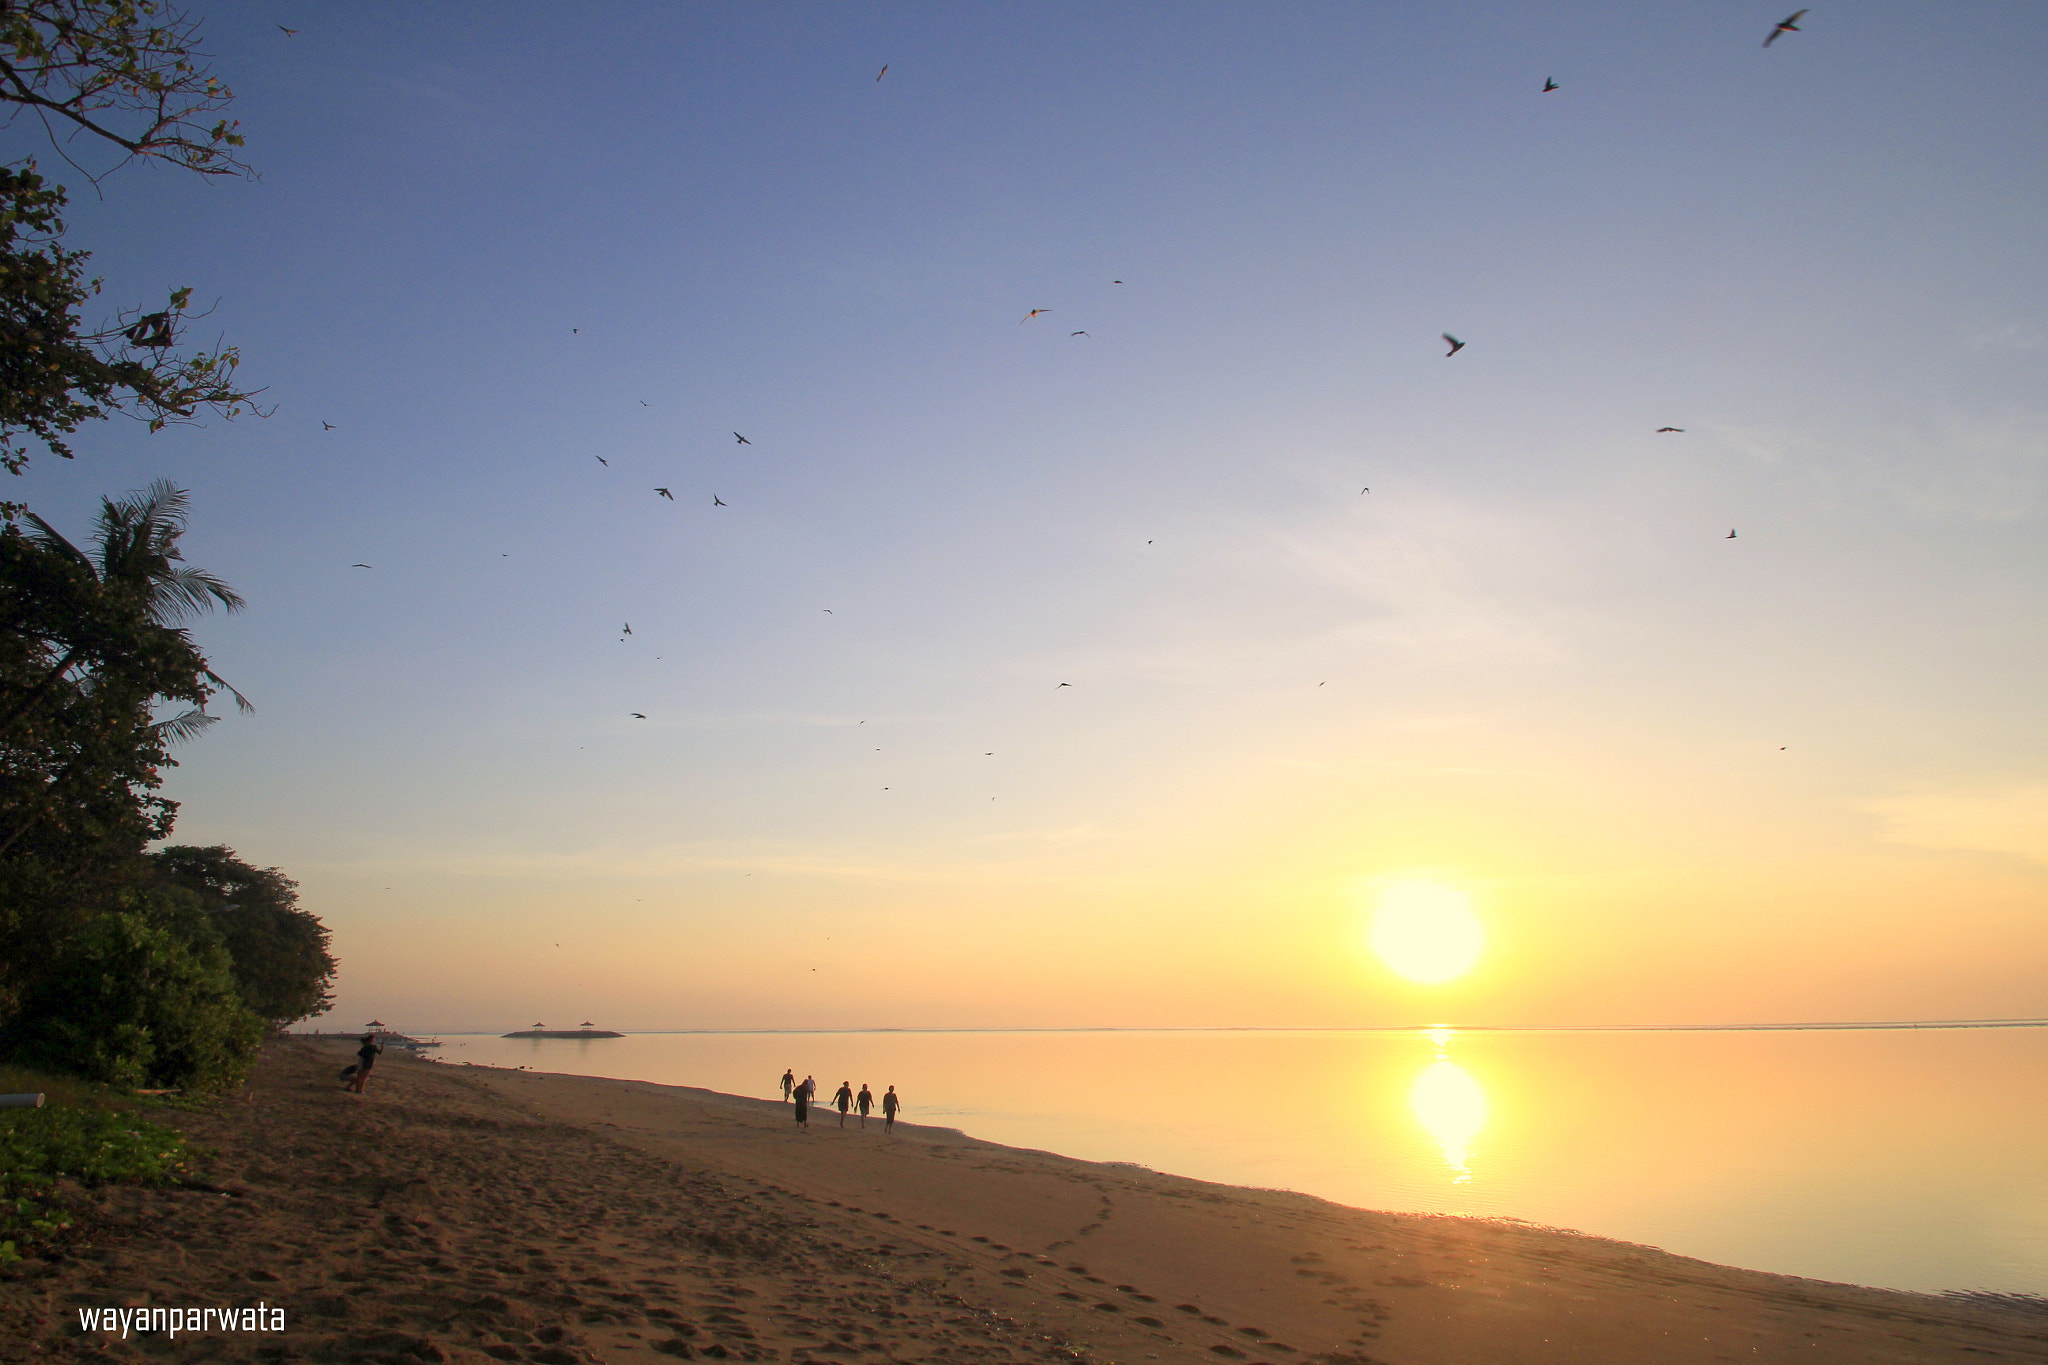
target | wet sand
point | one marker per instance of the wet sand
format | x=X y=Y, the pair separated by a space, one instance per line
x=467 y=1214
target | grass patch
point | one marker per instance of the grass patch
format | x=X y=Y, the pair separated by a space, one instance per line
x=80 y=1135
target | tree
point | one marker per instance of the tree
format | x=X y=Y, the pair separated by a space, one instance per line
x=278 y=951
x=131 y=1003
x=90 y=649
x=124 y=75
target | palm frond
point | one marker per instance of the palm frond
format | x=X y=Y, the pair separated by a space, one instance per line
x=189 y=591
x=47 y=537
x=242 y=703
x=180 y=728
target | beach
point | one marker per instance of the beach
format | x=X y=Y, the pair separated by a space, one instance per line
x=473 y=1214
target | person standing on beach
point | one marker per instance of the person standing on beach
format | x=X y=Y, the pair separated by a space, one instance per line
x=811 y=1089
x=864 y=1101
x=788 y=1084
x=843 y=1099
x=890 y=1104
x=802 y=1096
x=366 y=1057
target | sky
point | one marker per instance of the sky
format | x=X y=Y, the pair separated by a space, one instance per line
x=1679 y=778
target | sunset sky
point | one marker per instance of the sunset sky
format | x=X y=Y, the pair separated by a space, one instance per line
x=1797 y=774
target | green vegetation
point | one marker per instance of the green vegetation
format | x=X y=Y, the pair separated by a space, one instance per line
x=125 y=967
x=276 y=951
x=85 y=1134
x=128 y=968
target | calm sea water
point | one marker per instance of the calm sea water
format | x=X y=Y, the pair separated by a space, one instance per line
x=1907 y=1159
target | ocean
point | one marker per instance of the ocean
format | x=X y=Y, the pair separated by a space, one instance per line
x=1907 y=1159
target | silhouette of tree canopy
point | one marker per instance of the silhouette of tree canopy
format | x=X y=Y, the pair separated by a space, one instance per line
x=91 y=650
x=278 y=952
x=124 y=75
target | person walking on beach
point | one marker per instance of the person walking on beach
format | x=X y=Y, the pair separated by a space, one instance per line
x=802 y=1096
x=788 y=1084
x=366 y=1057
x=864 y=1101
x=842 y=1098
x=890 y=1104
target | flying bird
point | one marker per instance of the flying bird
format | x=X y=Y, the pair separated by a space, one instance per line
x=1032 y=314
x=666 y=494
x=1456 y=345
x=1077 y=334
x=741 y=439
x=289 y=32
x=717 y=501
x=1549 y=85
x=1786 y=25
x=645 y=404
x=1661 y=430
x=327 y=426
x=629 y=628
x=1063 y=685
x=1731 y=532
x=828 y=611
x=636 y=716
x=362 y=566
x=883 y=72
x=1363 y=491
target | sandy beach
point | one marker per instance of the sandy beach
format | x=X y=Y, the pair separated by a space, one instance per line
x=466 y=1214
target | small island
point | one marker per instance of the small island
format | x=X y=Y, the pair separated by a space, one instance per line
x=543 y=1031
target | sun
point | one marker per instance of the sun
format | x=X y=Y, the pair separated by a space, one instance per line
x=1426 y=931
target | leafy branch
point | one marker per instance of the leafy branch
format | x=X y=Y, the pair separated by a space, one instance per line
x=126 y=71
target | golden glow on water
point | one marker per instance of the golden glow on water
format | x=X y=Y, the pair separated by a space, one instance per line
x=1426 y=931
x=1450 y=1106
x=1915 y=1159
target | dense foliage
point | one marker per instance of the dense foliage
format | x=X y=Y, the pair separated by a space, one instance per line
x=277 y=952
x=124 y=967
x=128 y=1002
x=114 y=964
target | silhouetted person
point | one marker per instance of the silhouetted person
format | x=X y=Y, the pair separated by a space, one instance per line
x=864 y=1101
x=842 y=1098
x=366 y=1057
x=890 y=1104
x=802 y=1096
x=788 y=1084
x=811 y=1089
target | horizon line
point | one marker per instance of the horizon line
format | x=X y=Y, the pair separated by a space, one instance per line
x=1809 y=1026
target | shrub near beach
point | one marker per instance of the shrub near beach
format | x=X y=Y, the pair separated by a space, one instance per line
x=86 y=1145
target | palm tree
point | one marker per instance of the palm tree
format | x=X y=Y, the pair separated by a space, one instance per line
x=111 y=618
x=137 y=571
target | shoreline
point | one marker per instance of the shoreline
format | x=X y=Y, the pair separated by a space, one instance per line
x=471 y=1214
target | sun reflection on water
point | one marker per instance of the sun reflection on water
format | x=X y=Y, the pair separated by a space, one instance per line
x=1450 y=1106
